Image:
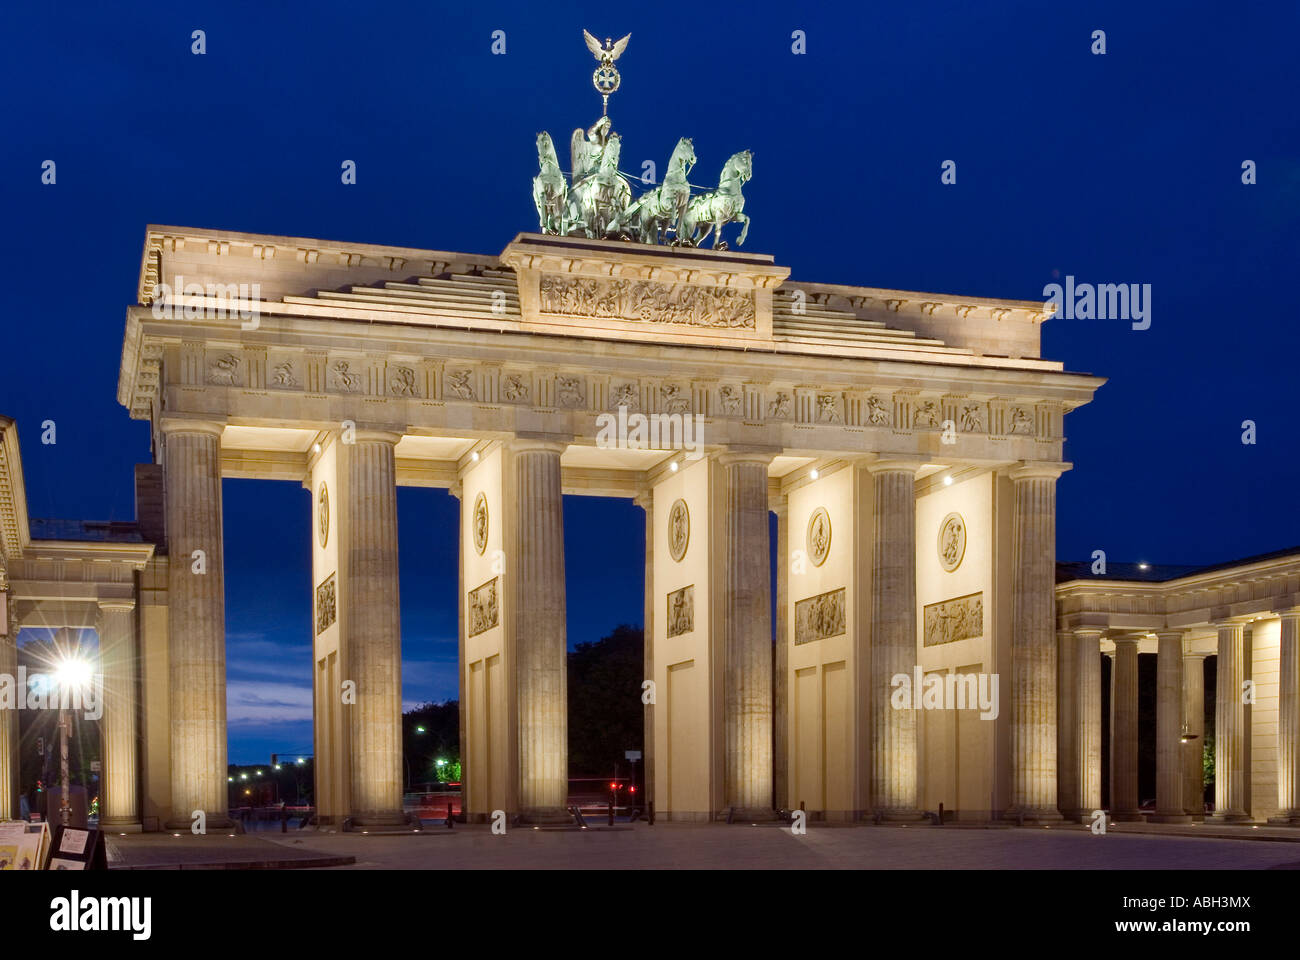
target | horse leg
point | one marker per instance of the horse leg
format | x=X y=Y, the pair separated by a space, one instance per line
x=744 y=229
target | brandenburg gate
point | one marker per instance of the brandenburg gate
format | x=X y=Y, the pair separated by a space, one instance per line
x=908 y=443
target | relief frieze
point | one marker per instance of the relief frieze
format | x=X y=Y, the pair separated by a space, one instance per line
x=961 y=618
x=819 y=617
x=646 y=301
x=483 y=608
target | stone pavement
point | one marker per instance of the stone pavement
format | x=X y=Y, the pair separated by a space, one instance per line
x=718 y=846
x=217 y=851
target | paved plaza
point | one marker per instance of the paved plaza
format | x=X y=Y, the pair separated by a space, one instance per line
x=717 y=846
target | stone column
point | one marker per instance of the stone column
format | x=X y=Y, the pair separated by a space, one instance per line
x=540 y=631
x=645 y=500
x=10 y=806
x=893 y=639
x=1088 y=719
x=781 y=661
x=196 y=622
x=1067 y=725
x=119 y=730
x=1194 y=748
x=1288 y=721
x=1033 y=644
x=1124 y=730
x=1170 y=800
x=1230 y=727
x=747 y=637
x=372 y=625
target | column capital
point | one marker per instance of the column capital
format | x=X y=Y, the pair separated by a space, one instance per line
x=1133 y=638
x=1226 y=623
x=895 y=465
x=741 y=454
x=1038 y=469
x=171 y=425
x=363 y=435
x=1089 y=632
x=1169 y=632
x=120 y=604
x=539 y=442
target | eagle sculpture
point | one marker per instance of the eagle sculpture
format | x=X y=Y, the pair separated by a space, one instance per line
x=610 y=52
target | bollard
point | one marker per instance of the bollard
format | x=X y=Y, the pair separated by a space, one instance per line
x=652 y=813
x=611 y=809
x=450 y=820
x=941 y=814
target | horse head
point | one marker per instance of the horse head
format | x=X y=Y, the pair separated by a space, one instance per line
x=683 y=153
x=741 y=166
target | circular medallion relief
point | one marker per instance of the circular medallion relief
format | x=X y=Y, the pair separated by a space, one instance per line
x=952 y=541
x=819 y=536
x=323 y=515
x=679 y=529
x=480 y=522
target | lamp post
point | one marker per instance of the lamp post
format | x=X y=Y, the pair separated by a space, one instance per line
x=71 y=675
x=65 y=808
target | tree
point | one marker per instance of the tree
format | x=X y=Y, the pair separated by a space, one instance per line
x=431 y=732
x=606 y=716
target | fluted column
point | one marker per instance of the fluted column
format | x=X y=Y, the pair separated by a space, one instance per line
x=1230 y=726
x=372 y=621
x=119 y=731
x=1033 y=643
x=540 y=631
x=893 y=639
x=1067 y=725
x=781 y=660
x=1170 y=800
x=1124 y=730
x=1288 y=721
x=196 y=621
x=9 y=742
x=1088 y=719
x=747 y=637
x=645 y=501
x=1194 y=748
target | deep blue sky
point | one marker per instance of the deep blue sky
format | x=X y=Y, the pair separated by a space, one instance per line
x=1117 y=168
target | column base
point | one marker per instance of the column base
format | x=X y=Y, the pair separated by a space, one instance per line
x=379 y=818
x=1227 y=818
x=1158 y=817
x=546 y=816
x=220 y=822
x=1035 y=815
x=121 y=826
x=896 y=816
x=1127 y=816
x=1286 y=820
x=748 y=815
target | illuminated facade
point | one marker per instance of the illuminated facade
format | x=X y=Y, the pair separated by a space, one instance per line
x=908 y=443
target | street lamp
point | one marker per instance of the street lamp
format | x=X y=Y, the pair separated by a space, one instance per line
x=71 y=674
